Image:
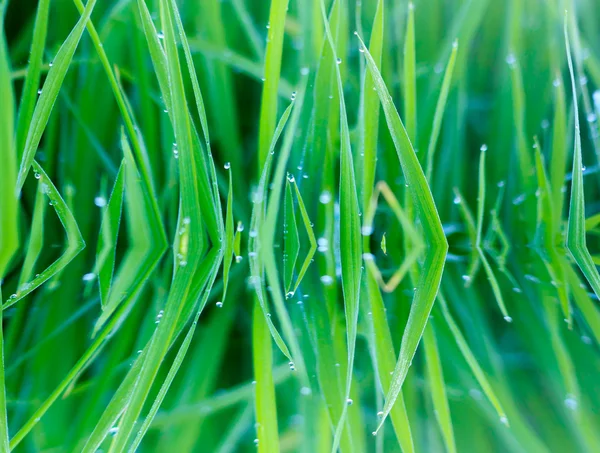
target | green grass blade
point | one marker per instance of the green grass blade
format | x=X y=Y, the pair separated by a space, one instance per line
x=34 y=70
x=291 y=238
x=471 y=360
x=107 y=239
x=268 y=110
x=439 y=110
x=9 y=206
x=350 y=239
x=229 y=238
x=435 y=239
x=75 y=242
x=3 y=413
x=576 y=241
x=409 y=76
x=311 y=238
x=54 y=80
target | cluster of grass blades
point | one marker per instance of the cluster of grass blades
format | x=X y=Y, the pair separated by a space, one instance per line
x=240 y=226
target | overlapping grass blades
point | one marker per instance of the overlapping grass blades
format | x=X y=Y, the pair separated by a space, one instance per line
x=433 y=265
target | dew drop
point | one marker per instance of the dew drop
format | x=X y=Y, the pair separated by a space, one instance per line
x=305 y=391
x=227 y=166
x=219 y=304
x=338 y=61
x=100 y=202
x=349 y=401
x=508 y=319
x=571 y=402
x=325 y=197
x=89 y=277
x=504 y=420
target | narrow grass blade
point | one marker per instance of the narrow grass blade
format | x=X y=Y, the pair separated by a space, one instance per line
x=439 y=111
x=311 y=238
x=409 y=76
x=229 y=238
x=54 y=79
x=576 y=241
x=107 y=239
x=433 y=267
x=291 y=239
x=471 y=360
x=350 y=240
x=437 y=387
x=34 y=70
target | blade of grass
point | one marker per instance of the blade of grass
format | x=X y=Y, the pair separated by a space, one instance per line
x=433 y=267
x=54 y=80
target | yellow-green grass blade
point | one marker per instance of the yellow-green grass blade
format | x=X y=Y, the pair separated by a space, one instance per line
x=34 y=69
x=267 y=236
x=437 y=387
x=370 y=109
x=409 y=76
x=265 y=405
x=268 y=110
x=350 y=240
x=471 y=359
x=75 y=242
x=439 y=110
x=385 y=362
x=107 y=239
x=291 y=238
x=575 y=240
x=412 y=235
x=437 y=245
x=9 y=206
x=256 y=250
x=486 y=264
x=54 y=80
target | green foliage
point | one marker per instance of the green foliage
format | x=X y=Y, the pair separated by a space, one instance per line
x=335 y=149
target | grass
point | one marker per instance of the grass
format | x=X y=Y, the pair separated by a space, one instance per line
x=392 y=178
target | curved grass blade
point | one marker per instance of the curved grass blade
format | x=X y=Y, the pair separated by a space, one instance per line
x=386 y=360
x=469 y=222
x=291 y=239
x=311 y=238
x=350 y=240
x=255 y=247
x=36 y=237
x=576 y=242
x=408 y=229
x=437 y=245
x=52 y=85
x=107 y=239
x=75 y=242
x=145 y=238
x=486 y=264
x=180 y=297
x=34 y=70
x=439 y=110
x=237 y=242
